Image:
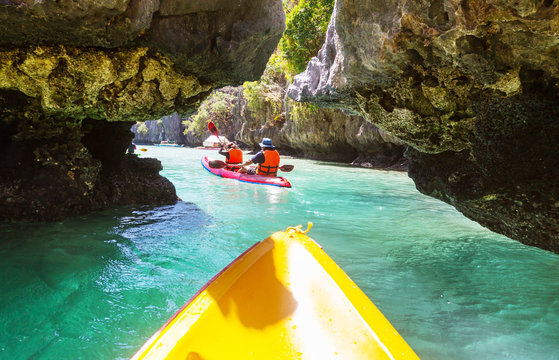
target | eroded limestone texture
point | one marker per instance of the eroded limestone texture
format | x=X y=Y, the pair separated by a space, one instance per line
x=78 y=83
x=74 y=76
x=471 y=85
x=219 y=41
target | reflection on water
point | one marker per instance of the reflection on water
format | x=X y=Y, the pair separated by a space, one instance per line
x=98 y=286
x=270 y=195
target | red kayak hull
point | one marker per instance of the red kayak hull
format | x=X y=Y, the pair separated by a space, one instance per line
x=253 y=179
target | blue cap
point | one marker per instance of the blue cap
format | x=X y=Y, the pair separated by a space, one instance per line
x=266 y=142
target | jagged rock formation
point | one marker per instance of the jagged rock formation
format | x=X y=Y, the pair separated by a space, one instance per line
x=68 y=70
x=471 y=85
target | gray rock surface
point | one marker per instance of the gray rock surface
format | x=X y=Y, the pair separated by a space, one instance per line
x=220 y=41
x=471 y=85
x=167 y=128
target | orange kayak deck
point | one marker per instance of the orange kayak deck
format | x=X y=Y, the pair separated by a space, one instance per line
x=284 y=298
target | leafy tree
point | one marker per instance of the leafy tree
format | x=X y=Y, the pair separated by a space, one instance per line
x=306 y=26
x=218 y=107
x=142 y=128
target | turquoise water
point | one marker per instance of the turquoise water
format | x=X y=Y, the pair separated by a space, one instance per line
x=97 y=286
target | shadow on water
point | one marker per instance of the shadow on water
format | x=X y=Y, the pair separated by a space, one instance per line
x=333 y=164
x=50 y=248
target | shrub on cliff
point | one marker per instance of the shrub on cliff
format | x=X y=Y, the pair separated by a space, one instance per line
x=142 y=129
x=217 y=108
x=305 y=31
x=270 y=89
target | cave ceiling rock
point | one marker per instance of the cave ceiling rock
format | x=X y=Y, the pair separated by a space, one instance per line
x=124 y=59
x=90 y=83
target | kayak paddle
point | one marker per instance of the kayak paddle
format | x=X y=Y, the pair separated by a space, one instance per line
x=143 y=149
x=286 y=168
x=213 y=131
x=218 y=164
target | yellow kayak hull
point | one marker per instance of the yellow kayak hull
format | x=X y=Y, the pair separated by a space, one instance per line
x=284 y=298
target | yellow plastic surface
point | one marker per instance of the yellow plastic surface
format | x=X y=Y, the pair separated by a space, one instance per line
x=283 y=299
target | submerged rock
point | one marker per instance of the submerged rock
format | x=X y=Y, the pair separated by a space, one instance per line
x=74 y=76
x=471 y=86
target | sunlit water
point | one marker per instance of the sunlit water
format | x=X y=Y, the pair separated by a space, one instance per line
x=98 y=286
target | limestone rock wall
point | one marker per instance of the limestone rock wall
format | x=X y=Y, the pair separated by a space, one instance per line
x=167 y=128
x=76 y=74
x=318 y=133
x=471 y=85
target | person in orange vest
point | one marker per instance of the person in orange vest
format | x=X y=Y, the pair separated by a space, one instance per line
x=267 y=159
x=233 y=155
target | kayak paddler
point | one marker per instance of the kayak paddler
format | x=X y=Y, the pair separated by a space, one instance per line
x=131 y=148
x=233 y=155
x=267 y=159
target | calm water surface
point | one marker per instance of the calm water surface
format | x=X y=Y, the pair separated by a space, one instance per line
x=98 y=286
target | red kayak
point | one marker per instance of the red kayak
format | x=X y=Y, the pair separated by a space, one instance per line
x=254 y=179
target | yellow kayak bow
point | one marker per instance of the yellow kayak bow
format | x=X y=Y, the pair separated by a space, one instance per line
x=284 y=298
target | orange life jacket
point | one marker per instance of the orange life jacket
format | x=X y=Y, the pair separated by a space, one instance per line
x=235 y=156
x=270 y=165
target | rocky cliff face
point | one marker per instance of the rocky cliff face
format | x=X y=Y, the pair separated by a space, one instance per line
x=217 y=42
x=154 y=131
x=471 y=85
x=303 y=130
x=329 y=134
x=75 y=75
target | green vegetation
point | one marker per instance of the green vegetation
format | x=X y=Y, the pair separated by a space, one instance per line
x=306 y=25
x=305 y=31
x=270 y=89
x=217 y=108
x=142 y=128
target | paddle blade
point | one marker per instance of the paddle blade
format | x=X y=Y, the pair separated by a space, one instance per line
x=216 y=164
x=286 y=168
x=143 y=149
x=212 y=129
